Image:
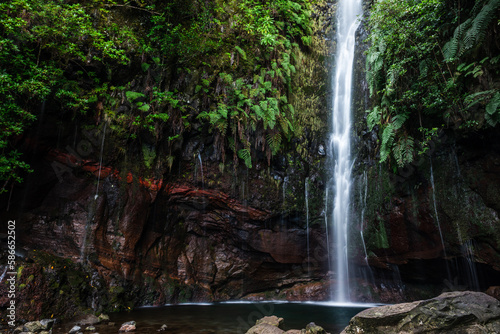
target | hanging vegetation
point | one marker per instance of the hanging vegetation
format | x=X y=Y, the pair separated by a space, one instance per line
x=431 y=65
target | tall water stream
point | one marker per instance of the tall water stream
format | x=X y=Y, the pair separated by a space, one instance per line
x=348 y=20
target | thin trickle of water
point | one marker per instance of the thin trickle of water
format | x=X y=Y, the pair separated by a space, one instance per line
x=326 y=226
x=448 y=271
x=340 y=143
x=201 y=170
x=435 y=210
x=306 y=195
x=100 y=161
x=3 y=274
x=472 y=279
x=366 y=272
x=363 y=195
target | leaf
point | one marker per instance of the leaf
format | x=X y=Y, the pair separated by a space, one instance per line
x=373 y=117
x=241 y=52
x=274 y=142
x=399 y=120
x=132 y=96
x=492 y=106
x=145 y=107
x=246 y=156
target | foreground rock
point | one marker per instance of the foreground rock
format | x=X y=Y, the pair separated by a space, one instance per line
x=272 y=324
x=128 y=326
x=451 y=312
x=38 y=326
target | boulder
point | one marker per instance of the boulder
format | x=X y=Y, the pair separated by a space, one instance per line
x=47 y=323
x=103 y=317
x=75 y=329
x=312 y=328
x=271 y=320
x=128 y=326
x=451 y=312
x=267 y=325
x=265 y=329
x=494 y=291
x=33 y=326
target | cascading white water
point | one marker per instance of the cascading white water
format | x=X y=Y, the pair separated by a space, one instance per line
x=306 y=195
x=348 y=20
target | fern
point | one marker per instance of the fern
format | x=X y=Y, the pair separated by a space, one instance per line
x=399 y=120
x=132 y=96
x=241 y=52
x=493 y=106
x=246 y=156
x=471 y=32
x=477 y=31
x=274 y=142
x=387 y=141
x=373 y=117
x=403 y=151
x=258 y=111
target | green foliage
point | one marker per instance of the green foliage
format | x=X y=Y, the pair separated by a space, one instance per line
x=473 y=31
x=245 y=154
x=427 y=60
x=71 y=54
x=39 y=39
x=254 y=77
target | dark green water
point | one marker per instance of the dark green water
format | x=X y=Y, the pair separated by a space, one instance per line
x=228 y=318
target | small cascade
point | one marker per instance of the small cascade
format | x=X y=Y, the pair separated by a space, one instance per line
x=325 y=212
x=3 y=274
x=95 y=284
x=306 y=195
x=201 y=170
x=436 y=216
x=466 y=267
x=471 y=276
x=367 y=272
x=100 y=160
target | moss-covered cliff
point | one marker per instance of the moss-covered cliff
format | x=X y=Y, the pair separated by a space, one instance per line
x=171 y=147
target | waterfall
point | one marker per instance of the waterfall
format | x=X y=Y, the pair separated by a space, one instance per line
x=201 y=170
x=306 y=195
x=100 y=160
x=340 y=146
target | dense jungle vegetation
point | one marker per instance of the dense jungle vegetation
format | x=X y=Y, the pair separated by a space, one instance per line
x=432 y=65
x=239 y=57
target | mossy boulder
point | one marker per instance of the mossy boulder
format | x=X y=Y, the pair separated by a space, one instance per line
x=451 y=312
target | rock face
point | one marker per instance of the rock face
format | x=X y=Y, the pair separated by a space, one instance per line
x=451 y=312
x=184 y=225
